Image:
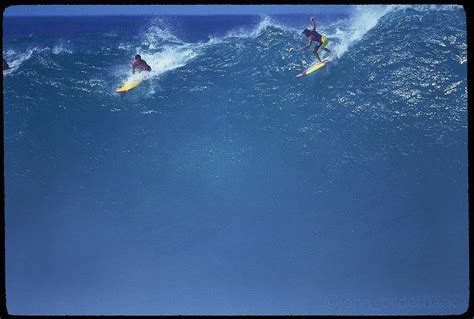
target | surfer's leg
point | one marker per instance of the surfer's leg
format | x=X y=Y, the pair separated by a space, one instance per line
x=315 y=51
x=323 y=45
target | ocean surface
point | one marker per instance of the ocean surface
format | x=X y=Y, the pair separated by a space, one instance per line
x=225 y=185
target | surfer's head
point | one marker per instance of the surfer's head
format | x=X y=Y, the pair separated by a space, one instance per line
x=306 y=32
x=138 y=57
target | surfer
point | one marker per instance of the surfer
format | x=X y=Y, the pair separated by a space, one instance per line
x=315 y=36
x=5 y=64
x=139 y=64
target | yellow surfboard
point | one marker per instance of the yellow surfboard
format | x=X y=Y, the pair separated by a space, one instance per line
x=313 y=68
x=128 y=86
x=131 y=83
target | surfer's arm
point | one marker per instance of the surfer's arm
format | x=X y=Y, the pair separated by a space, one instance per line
x=309 y=43
x=313 y=22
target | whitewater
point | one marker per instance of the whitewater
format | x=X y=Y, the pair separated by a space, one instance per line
x=225 y=185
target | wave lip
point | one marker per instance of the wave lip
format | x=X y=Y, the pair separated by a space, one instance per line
x=15 y=59
x=158 y=33
x=366 y=17
x=264 y=25
x=361 y=21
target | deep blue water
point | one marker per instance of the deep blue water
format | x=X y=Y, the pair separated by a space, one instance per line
x=223 y=184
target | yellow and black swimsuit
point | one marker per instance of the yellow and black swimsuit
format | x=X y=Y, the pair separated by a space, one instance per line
x=319 y=38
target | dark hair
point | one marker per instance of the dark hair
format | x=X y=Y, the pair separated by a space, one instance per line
x=306 y=32
x=137 y=56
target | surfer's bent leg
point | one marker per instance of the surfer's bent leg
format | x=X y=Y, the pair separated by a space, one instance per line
x=315 y=51
x=323 y=45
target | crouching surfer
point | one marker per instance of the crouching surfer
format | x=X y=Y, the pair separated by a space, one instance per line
x=139 y=64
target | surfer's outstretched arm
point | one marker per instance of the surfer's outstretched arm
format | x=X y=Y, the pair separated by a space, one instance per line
x=313 y=23
x=306 y=46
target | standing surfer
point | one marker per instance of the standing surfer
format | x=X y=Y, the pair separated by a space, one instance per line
x=139 y=64
x=315 y=36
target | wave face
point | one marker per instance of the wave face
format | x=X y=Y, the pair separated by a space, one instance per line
x=224 y=170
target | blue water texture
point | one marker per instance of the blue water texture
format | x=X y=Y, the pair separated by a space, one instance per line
x=223 y=184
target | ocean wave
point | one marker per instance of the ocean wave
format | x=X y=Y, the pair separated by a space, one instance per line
x=425 y=8
x=159 y=33
x=162 y=50
x=110 y=34
x=242 y=32
x=61 y=47
x=347 y=32
x=170 y=58
x=16 y=59
x=125 y=46
x=167 y=59
x=362 y=20
x=265 y=24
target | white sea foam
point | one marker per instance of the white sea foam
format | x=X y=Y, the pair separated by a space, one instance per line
x=159 y=33
x=16 y=59
x=173 y=54
x=125 y=46
x=170 y=58
x=61 y=47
